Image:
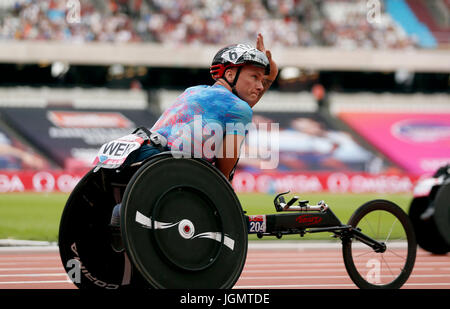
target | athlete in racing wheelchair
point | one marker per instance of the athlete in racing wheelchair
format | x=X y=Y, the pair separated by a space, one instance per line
x=242 y=75
x=178 y=222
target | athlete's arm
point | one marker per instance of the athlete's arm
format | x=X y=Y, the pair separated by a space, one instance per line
x=228 y=153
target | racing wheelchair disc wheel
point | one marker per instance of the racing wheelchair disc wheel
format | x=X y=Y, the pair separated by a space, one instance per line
x=387 y=223
x=427 y=234
x=442 y=213
x=183 y=226
x=85 y=237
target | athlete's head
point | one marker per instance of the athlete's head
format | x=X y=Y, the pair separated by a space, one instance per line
x=243 y=68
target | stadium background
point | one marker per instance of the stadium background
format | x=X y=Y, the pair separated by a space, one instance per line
x=362 y=97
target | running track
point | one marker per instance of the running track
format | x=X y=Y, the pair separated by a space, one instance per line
x=267 y=267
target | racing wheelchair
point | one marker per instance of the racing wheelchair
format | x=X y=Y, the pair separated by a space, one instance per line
x=429 y=212
x=182 y=226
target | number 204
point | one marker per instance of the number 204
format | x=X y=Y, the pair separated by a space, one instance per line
x=256 y=227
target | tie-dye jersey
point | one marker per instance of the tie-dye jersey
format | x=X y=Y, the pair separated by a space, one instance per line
x=200 y=117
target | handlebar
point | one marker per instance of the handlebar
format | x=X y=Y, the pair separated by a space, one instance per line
x=281 y=205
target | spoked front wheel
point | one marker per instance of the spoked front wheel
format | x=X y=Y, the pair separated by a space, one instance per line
x=388 y=224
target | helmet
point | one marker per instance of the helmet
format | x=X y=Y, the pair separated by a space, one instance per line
x=236 y=56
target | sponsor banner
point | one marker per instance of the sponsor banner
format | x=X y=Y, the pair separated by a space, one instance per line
x=306 y=142
x=419 y=143
x=39 y=181
x=243 y=182
x=14 y=155
x=83 y=119
x=338 y=182
x=71 y=137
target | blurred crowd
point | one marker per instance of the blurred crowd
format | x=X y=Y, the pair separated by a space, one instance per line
x=76 y=21
x=357 y=24
x=284 y=23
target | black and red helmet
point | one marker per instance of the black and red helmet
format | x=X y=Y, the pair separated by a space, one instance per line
x=236 y=56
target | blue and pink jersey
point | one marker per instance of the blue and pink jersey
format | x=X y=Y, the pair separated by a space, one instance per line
x=203 y=114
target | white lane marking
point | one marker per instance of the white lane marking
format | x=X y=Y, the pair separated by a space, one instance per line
x=293 y=286
x=34 y=275
x=37 y=282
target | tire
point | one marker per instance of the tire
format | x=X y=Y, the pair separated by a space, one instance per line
x=385 y=222
x=183 y=226
x=85 y=238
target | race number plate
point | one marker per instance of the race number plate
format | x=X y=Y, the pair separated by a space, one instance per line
x=113 y=154
x=257 y=224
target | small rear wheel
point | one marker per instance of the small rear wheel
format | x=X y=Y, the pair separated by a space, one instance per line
x=386 y=223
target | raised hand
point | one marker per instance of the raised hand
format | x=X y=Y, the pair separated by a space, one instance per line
x=273 y=66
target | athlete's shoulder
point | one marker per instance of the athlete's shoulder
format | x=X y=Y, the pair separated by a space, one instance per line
x=196 y=88
x=202 y=92
x=219 y=98
x=225 y=94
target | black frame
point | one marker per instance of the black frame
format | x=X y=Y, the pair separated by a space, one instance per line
x=304 y=219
